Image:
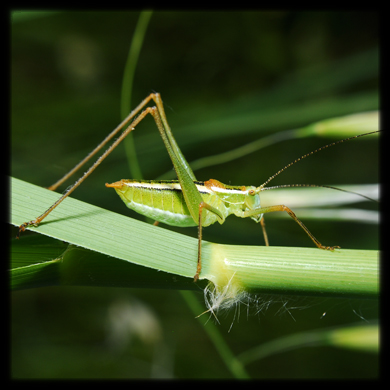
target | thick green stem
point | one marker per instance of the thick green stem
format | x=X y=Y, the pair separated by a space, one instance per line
x=295 y=271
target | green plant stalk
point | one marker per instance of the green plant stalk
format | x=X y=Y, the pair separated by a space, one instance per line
x=127 y=88
x=357 y=337
x=132 y=59
x=235 y=366
x=344 y=126
x=135 y=48
x=271 y=270
x=263 y=121
x=296 y=271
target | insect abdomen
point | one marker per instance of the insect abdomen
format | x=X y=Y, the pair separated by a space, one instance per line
x=161 y=201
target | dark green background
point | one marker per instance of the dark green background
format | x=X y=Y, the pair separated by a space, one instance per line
x=215 y=72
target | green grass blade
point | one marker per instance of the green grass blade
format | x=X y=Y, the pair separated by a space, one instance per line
x=107 y=233
x=315 y=203
x=358 y=337
x=345 y=126
x=127 y=88
x=277 y=270
x=132 y=59
x=235 y=366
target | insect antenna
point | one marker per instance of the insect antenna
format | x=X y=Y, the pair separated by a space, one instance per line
x=312 y=152
x=321 y=186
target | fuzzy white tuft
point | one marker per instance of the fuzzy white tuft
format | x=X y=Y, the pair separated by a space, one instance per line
x=224 y=298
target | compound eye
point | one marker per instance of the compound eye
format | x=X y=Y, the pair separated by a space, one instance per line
x=251 y=192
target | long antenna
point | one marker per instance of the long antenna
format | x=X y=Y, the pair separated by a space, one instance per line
x=321 y=186
x=314 y=151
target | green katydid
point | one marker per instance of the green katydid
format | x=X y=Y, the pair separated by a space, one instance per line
x=186 y=201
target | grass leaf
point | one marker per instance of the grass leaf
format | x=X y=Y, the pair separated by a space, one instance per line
x=117 y=246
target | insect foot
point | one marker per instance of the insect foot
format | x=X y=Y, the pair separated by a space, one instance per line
x=22 y=228
x=329 y=248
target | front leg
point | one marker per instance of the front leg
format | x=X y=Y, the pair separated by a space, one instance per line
x=265 y=235
x=270 y=209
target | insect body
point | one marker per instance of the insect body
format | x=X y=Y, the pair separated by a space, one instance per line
x=186 y=201
x=164 y=201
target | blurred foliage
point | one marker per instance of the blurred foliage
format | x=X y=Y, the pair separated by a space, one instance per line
x=226 y=78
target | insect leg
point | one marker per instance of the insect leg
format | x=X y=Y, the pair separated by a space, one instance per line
x=212 y=209
x=104 y=142
x=262 y=222
x=271 y=209
x=130 y=128
x=159 y=104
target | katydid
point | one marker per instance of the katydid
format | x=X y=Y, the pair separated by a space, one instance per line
x=186 y=201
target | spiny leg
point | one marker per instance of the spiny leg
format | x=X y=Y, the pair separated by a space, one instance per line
x=202 y=206
x=136 y=121
x=281 y=207
x=185 y=175
x=168 y=132
x=262 y=223
x=199 y=263
x=104 y=142
x=192 y=197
